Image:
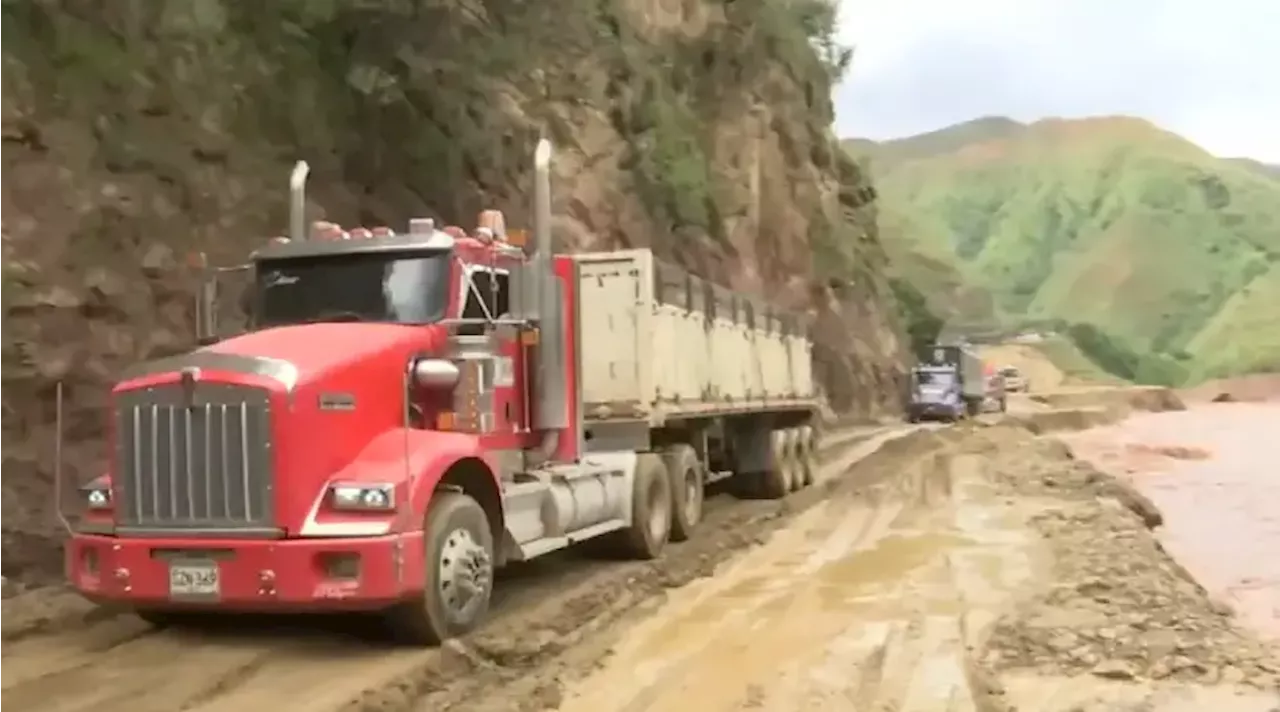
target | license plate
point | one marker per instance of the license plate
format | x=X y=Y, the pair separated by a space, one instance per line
x=199 y=580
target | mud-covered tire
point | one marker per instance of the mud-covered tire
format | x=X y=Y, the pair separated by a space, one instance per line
x=685 y=473
x=651 y=512
x=458 y=547
x=776 y=481
x=807 y=469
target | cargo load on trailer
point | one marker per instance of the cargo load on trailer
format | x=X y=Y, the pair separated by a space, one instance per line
x=406 y=412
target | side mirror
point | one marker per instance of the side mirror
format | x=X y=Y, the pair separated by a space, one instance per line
x=208 y=298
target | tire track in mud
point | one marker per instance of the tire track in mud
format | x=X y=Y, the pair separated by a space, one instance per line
x=121 y=663
x=868 y=601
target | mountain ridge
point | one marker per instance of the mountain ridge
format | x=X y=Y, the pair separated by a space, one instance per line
x=1159 y=247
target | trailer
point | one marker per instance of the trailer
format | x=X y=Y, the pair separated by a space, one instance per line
x=407 y=412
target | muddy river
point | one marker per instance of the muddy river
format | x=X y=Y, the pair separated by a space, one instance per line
x=1214 y=471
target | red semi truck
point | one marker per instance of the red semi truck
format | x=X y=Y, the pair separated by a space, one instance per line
x=408 y=412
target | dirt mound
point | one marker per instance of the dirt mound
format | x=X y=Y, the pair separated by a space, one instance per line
x=1117 y=606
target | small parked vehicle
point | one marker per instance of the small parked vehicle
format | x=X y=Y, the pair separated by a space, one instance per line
x=1014 y=381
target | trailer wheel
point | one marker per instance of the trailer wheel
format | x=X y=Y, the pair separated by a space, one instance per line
x=685 y=472
x=650 y=511
x=807 y=473
x=459 y=573
x=777 y=480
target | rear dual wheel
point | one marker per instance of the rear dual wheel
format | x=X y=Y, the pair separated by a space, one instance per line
x=793 y=462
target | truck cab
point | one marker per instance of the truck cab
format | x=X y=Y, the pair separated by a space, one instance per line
x=936 y=393
x=384 y=387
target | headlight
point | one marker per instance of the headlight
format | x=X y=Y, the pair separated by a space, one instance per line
x=378 y=497
x=97 y=496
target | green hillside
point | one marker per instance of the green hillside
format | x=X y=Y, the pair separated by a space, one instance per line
x=1169 y=255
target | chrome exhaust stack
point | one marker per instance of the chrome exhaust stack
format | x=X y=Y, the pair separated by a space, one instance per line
x=298 y=201
x=551 y=409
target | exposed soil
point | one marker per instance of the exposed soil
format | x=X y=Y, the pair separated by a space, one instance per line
x=1115 y=606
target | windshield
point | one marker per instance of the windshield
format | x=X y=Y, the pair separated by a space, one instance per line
x=935 y=378
x=407 y=288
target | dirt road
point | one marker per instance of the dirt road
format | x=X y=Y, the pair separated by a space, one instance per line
x=991 y=573
x=864 y=600
x=976 y=567
x=59 y=663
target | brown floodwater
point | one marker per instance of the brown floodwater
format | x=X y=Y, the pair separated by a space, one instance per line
x=1214 y=471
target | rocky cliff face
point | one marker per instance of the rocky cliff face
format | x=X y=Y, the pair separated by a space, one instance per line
x=135 y=132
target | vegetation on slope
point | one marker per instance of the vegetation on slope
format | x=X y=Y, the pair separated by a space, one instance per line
x=1150 y=250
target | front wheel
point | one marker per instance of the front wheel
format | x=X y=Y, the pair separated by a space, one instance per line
x=459 y=570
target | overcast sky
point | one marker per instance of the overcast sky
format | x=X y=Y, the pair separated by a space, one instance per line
x=1206 y=69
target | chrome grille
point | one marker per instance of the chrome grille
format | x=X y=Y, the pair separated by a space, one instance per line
x=194 y=463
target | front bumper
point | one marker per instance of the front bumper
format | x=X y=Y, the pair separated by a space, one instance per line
x=252 y=575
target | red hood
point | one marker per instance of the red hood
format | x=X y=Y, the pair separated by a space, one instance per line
x=315 y=349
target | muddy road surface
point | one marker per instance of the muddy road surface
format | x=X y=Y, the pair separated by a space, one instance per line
x=62 y=656
x=977 y=567
x=989 y=572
